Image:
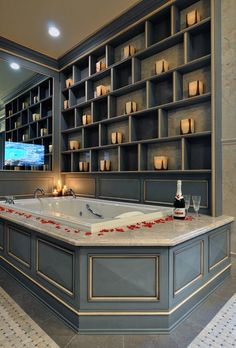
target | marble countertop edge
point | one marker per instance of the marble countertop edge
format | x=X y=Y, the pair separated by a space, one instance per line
x=163 y=235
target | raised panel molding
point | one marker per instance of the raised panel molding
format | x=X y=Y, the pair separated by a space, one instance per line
x=25 y=186
x=82 y=186
x=160 y=191
x=19 y=245
x=110 y=277
x=219 y=250
x=56 y=265
x=191 y=260
x=124 y=189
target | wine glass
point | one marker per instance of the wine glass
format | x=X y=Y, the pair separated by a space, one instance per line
x=187 y=199
x=196 y=204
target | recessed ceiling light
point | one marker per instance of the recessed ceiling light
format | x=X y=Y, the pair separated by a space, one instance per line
x=15 y=66
x=54 y=31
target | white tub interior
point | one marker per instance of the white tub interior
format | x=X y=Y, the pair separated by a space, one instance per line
x=79 y=212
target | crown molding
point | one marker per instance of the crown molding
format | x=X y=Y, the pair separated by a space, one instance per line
x=127 y=18
x=132 y=15
x=27 y=53
x=23 y=87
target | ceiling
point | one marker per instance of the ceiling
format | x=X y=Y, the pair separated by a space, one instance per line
x=11 y=79
x=26 y=21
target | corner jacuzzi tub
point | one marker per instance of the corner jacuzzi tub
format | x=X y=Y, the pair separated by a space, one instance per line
x=91 y=214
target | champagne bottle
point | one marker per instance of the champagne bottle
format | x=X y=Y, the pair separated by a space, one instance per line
x=179 y=203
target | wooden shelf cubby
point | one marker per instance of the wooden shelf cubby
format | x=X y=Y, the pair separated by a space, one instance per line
x=162 y=100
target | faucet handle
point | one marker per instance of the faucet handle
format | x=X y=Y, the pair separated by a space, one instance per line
x=9 y=199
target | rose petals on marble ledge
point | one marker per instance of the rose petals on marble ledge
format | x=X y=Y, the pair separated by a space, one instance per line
x=88 y=233
x=137 y=226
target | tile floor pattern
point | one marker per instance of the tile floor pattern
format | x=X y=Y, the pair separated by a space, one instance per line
x=65 y=337
x=221 y=331
x=17 y=329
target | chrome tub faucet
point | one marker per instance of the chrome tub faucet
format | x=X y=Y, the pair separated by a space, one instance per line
x=39 y=191
x=9 y=200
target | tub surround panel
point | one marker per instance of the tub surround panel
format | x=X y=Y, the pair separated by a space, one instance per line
x=122 y=289
x=19 y=245
x=130 y=293
x=218 y=247
x=120 y=277
x=188 y=265
x=56 y=265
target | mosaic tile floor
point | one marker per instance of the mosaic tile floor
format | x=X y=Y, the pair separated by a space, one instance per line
x=17 y=329
x=221 y=331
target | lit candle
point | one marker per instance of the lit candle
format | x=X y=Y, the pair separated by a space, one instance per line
x=55 y=193
x=64 y=190
x=59 y=185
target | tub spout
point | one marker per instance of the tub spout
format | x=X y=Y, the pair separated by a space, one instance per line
x=39 y=191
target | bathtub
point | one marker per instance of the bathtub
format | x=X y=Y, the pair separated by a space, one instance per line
x=90 y=214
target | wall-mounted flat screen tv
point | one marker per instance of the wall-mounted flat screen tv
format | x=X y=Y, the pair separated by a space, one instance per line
x=22 y=154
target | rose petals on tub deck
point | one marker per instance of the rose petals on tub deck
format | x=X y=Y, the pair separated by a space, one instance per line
x=140 y=225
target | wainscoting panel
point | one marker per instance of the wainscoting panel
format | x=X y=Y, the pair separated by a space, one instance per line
x=218 y=244
x=162 y=191
x=19 y=245
x=24 y=184
x=82 y=186
x=56 y=265
x=123 y=189
x=123 y=277
x=142 y=189
x=187 y=266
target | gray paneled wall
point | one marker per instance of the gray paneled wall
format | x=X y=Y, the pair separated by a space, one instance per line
x=140 y=189
x=24 y=184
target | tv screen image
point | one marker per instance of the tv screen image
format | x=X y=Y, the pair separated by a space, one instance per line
x=21 y=154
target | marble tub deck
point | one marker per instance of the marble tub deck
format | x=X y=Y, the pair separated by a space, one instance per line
x=162 y=233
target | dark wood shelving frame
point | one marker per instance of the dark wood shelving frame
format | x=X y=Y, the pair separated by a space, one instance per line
x=192 y=54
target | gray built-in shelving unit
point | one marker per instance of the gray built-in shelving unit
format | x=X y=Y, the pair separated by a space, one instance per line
x=162 y=99
x=16 y=112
